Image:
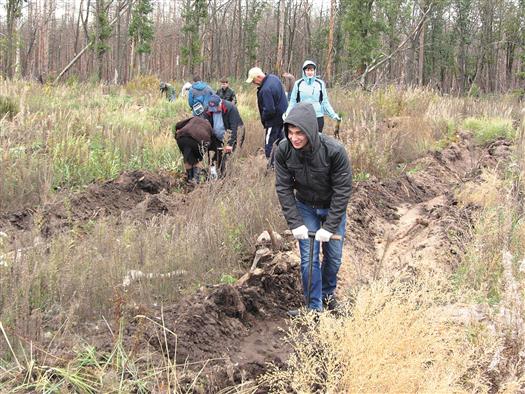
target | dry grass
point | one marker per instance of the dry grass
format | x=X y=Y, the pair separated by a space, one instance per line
x=70 y=136
x=79 y=271
x=389 y=342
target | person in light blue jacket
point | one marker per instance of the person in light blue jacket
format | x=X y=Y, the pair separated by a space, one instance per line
x=311 y=89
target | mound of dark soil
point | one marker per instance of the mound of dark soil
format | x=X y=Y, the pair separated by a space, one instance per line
x=232 y=330
x=143 y=191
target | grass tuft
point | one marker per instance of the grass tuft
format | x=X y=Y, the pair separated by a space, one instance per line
x=489 y=129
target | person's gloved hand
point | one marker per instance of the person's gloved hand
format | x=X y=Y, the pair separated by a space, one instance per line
x=337 y=117
x=322 y=235
x=300 y=232
x=284 y=117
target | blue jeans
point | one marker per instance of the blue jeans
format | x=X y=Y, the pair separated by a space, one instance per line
x=324 y=276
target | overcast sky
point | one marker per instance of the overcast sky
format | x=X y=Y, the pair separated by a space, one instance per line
x=60 y=5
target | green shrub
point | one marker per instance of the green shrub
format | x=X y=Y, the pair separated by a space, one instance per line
x=8 y=107
x=489 y=129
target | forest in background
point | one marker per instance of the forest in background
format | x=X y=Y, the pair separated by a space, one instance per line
x=455 y=46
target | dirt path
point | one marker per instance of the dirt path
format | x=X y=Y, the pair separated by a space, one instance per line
x=397 y=227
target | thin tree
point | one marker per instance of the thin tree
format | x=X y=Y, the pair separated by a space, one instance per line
x=141 y=31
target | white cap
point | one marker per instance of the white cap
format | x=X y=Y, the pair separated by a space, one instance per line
x=253 y=73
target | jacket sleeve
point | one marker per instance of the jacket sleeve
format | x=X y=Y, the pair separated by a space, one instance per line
x=325 y=104
x=190 y=99
x=235 y=122
x=268 y=106
x=284 y=189
x=293 y=98
x=341 y=178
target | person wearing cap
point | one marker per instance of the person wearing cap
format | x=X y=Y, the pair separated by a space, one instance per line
x=168 y=90
x=225 y=92
x=272 y=103
x=313 y=179
x=312 y=89
x=223 y=116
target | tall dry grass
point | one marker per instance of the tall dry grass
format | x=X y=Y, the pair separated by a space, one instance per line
x=79 y=273
x=492 y=271
x=71 y=135
x=392 y=341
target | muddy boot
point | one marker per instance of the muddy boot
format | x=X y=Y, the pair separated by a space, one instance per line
x=196 y=175
x=189 y=175
x=293 y=313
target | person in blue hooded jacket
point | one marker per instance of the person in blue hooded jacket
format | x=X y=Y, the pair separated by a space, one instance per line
x=198 y=96
x=311 y=89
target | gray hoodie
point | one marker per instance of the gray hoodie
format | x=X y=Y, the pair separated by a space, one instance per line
x=319 y=175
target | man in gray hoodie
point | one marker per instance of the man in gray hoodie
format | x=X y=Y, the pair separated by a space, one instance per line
x=314 y=184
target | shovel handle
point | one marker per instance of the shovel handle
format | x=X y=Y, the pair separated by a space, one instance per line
x=334 y=237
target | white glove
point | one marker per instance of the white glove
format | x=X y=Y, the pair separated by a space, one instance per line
x=300 y=232
x=337 y=117
x=284 y=117
x=322 y=235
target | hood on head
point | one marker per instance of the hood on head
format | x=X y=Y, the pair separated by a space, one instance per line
x=309 y=63
x=306 y=64
x=199 y=85
x=303 y=116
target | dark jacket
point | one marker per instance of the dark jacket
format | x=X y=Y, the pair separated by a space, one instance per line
x=197 y=128
x=227 y=94
x=272 y=101
x=231 y=118
x=320 y=174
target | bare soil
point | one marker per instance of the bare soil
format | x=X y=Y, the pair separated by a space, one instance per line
x=228 y=334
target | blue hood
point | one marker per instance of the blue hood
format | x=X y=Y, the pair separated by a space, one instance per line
x=199 y=85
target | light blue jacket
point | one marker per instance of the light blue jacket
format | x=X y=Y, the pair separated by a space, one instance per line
x=309 y=91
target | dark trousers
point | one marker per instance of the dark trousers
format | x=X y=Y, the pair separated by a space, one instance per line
x=272 y=136
x=191 y=149
x=320 y=123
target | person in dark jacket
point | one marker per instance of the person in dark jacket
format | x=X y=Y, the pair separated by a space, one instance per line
x=193 y=136
x=314 y=184
x=198 y=96
x=272 y=103
x=223 y=116
x=168 y=90
x=225 y=92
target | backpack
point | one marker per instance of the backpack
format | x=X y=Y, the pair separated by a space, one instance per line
x=298 y=98
x=200 y=102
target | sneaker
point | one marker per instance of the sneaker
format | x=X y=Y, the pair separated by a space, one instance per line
x=293 y=313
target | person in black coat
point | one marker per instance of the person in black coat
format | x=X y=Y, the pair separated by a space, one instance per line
x=272 y=103
x=313 y=179
x=226 y=93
